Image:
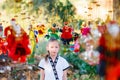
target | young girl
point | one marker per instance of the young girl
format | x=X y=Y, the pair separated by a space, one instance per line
x=53 y=66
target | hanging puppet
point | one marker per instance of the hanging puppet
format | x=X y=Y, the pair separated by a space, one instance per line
x=85 y=32
x=3 y=45
x=75 y=47
x=4 y=59
x=18 y=42
x=53 y=32
x=3 y=42
x=33 y=42
x=41 y=30
x=66 y=35
x=109 y=48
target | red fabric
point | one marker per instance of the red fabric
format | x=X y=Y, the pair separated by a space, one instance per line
x=102 y=43
x=3 y=46
x=36 y=39
x=76 y=50
x=17 y=46
x=112 y=69
x=13 y=19
x=102 y=28
x=85 y=31
x=66 y=32
x=10 y=37
x=113 y=22
x=8 y=31
x=76 y=46
x=113 y=72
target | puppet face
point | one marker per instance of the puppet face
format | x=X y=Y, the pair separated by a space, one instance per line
x=113 y=30
x=17 y=29
x=13 y=23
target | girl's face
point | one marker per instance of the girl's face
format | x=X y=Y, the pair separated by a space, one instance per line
x=53 y=48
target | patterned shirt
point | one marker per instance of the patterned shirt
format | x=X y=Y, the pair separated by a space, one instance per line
x=61 y=65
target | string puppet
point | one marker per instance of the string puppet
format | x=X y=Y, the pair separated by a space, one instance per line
x=33 y=43
x=76 y=43
x=41 y=30
x=18 y=42
x=85 y=30
x=66 y=35
x=53 y=32
x=109 y=48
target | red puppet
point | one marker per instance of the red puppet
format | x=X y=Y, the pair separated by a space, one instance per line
x=3 y=45
x=109 y=48
x=66 y=35
x=18 y=42
x=85 y=30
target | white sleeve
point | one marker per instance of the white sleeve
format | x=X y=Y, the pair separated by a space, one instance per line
x=41 y=64
x=65 y=65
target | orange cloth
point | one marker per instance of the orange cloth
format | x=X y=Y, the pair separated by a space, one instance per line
x=113 y=72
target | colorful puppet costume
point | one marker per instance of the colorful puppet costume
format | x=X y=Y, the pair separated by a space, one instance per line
x=4 y=60
x=75 y=47
x=66 y=35
x=86 y=33
x=85 y=30
x=18 y=42
x=41 y=30
x=33 y=42
x=109 y=48
x=53 y=32
x=3 y=45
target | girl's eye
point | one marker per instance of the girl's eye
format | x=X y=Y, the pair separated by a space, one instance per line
x=56 y=47
x=51 y=46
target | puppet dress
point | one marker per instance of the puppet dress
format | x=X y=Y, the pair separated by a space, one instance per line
x=66 y=35
x=53 y=33
x=17 y=44
x=109 y=61
x=85 y=31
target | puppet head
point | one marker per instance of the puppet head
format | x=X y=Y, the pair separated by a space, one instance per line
x=13 y=22
x=113 y=28
x=54 y=25
x=17 y=29
x=65 y=23
x=102 y=28
x=30 y=27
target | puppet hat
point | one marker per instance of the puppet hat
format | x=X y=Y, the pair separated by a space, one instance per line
x=65 y=23
x=13 y=19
